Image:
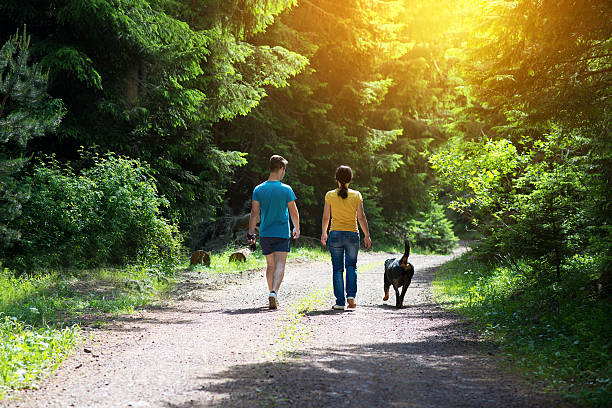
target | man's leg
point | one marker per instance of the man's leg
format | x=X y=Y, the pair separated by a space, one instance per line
x=280 y=258
x=270 y=270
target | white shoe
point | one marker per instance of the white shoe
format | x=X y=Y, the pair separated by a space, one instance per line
x=272 y=301
x=337 y=307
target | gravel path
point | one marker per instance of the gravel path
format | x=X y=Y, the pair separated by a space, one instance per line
x=217 y=345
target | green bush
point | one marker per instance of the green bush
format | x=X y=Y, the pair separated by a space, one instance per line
x=434 y=232
x=107 y=214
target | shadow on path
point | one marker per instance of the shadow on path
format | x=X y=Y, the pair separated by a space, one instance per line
x=432 y=373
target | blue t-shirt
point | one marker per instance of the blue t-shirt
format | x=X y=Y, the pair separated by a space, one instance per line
x=273 y=197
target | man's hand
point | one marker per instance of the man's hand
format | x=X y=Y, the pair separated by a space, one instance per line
x=324 y=238
x=296 y=233
x=251 y=238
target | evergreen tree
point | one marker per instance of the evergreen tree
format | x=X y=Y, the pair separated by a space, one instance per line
x=26 y=112
x=370 y=98
x=148 y=79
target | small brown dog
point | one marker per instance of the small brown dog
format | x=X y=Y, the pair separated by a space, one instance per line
x=398 y=272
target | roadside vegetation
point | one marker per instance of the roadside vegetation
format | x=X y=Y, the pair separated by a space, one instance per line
x=43 y=314
x=219 y=260
x=555 y=331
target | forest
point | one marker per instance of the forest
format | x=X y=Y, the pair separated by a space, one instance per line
x=134 y=131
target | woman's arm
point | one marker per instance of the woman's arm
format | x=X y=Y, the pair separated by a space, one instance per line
x=363 y=223
x=325 y=223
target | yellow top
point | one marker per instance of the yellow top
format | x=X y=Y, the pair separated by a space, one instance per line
x=343 y=210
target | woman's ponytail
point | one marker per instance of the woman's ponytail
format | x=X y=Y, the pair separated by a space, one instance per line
x=343 y=192
x=344 y=175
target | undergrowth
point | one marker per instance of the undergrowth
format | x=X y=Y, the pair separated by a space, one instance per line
x=29 y=353
x=552 y=331
x=41 y=315
x=219 y=261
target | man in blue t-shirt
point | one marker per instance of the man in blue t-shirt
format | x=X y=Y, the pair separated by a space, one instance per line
x=272 y=204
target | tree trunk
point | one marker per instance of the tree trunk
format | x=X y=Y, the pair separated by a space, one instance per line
x=199 y=257
x=240 y=255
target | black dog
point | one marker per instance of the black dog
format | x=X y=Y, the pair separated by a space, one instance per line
x=398 y=272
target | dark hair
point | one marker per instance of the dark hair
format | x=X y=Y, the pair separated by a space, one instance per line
x=277 y=162
x=344 y=175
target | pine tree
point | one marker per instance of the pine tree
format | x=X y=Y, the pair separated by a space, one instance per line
x=26 y=112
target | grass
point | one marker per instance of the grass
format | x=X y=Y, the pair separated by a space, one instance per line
x=219 y=262
x=40 y=315
x=551 y=331
x=28 y=354
x=295 y=331
x=57 y=299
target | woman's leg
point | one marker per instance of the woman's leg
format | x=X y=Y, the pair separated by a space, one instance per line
x=352 y=250
x=336 y=251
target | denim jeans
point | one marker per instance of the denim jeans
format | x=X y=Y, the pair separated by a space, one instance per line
x=344 y=247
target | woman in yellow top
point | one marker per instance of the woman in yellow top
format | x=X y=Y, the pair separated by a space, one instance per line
x=345 y=207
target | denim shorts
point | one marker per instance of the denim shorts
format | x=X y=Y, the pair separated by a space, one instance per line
x=273 y=244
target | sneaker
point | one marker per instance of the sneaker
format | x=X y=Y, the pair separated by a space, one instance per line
x=272 y=300
x=351 y=303
x=337 y=307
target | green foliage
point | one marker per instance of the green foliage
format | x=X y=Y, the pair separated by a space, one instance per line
x=110 y=213
x=433 y=232
x=353 y=105
x=529 y=204
x=28 y=354
x=529 y=166
x=175 y=69
x=553 y=331
x=26 y=112
x=61 y=298
x=539 y=60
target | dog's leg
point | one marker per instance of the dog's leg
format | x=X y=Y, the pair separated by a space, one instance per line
x=401 y=297
x=397 y=298
x=387 y=284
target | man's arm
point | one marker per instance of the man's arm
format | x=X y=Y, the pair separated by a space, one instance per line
x=295 y=217
x=325 y=223
x=254 y=219
x=363 y=223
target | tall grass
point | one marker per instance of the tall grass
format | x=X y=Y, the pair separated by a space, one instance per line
x=40 y=314
x=27 y=353
x=553 y=331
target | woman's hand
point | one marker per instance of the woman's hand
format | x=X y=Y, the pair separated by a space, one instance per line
x=324 y=238
x=367 y=241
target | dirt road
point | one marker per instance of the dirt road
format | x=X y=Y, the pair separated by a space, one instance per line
x=222 y=347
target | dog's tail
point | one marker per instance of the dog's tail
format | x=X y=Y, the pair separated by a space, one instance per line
x=406 y=252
